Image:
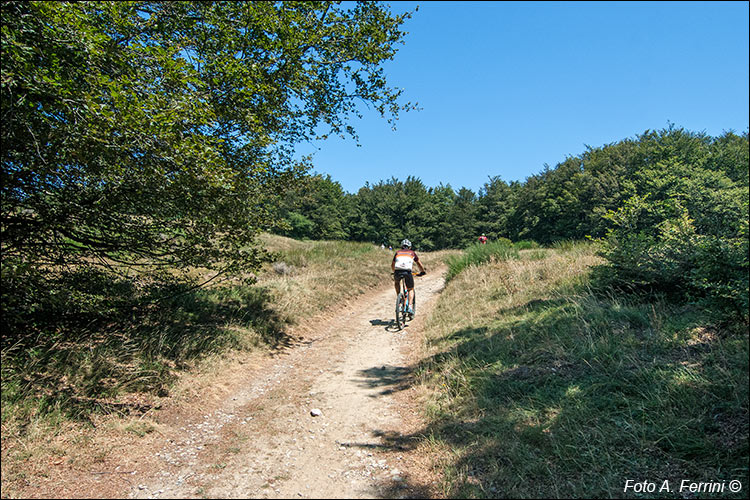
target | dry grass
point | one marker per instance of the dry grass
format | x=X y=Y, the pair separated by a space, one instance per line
x=503 y=285
x=320 y=274
x=542 y=388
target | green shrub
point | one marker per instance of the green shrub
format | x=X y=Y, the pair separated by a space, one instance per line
x=721 y=274
x=654 y=246
x=525 y=244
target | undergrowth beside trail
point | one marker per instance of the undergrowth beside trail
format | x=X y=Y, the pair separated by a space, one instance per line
x=544 y=386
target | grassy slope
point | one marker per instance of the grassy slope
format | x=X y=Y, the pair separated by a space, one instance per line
x=542 y=389
x=119 y=370
x=84 y=368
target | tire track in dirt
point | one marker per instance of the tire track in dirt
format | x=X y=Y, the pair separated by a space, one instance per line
x=262 y=442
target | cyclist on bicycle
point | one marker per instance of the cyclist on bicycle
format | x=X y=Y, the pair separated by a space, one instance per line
x=403 y=260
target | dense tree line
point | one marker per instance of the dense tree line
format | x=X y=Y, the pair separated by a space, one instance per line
x=670 y=205
x=573 y=200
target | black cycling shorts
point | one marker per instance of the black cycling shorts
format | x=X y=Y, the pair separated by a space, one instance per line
x=409 y=278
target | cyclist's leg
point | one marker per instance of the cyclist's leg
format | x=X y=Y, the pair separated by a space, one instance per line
x=401 y=300
x=410 y=287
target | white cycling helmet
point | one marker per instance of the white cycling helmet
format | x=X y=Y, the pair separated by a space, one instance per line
x=406 y=243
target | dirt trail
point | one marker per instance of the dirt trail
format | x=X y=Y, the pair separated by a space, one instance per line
x=261 y=441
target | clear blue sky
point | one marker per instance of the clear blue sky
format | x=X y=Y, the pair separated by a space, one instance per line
x=507 y=87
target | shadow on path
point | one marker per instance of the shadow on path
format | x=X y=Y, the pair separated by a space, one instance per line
x=390 y=378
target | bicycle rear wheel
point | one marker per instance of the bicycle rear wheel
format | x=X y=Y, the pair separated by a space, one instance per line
x=400 y=311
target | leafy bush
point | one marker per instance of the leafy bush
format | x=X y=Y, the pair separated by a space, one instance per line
x=654 y=246
x=721 y=273
x=301 y=226
x=525 y=244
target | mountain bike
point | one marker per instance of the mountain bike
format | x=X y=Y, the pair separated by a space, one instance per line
x=402 y=302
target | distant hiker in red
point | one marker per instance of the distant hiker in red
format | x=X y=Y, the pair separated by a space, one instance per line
x=482 y=239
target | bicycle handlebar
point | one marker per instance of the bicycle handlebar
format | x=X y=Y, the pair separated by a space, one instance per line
x=415 y=274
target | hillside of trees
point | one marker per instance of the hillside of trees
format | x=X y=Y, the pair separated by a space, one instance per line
x=670 y=207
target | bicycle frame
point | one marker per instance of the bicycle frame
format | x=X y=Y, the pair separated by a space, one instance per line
x=402 y=303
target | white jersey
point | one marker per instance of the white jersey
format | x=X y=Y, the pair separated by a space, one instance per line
x=404 y=260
